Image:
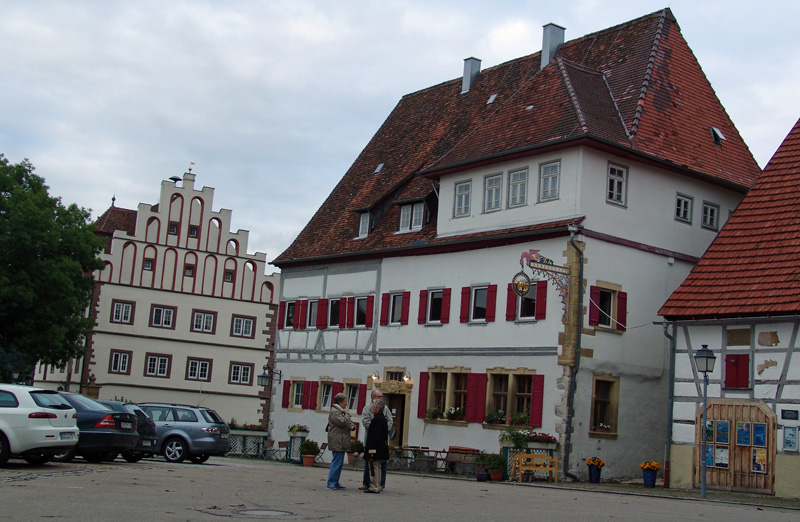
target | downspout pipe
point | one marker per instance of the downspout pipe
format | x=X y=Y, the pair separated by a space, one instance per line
x=671 y=401
x=573 y=381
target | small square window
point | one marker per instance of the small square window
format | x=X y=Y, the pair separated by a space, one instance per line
x=193 y=231
x=188 y=270
x=228 y=277
x=148 y=264
x=710 y=216
x=172 y=229
x=683 y=208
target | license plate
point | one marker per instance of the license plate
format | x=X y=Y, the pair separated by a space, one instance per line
x=67 y=435
x=147 y=443
x=223 y=435
x=126 y=425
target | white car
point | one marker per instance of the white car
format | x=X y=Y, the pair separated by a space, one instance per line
x=35 y=424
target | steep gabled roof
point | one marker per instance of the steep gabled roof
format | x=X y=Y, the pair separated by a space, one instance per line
x=636 y=88
x=116 y=218
x=752 y=268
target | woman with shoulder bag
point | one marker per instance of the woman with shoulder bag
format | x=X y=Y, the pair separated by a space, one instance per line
x=339 y=426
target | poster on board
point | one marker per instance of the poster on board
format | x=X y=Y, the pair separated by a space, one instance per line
x=759 y=434
x=721 y=456
x=742 y=433
x=723 y=432
x=760 y=460
x=790 y=438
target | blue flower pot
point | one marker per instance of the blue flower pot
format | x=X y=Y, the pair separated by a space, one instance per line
x=594 y=474
x=649 y=478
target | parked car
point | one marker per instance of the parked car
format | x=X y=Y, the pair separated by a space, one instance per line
x=35 y=424
x=146 y=428
x=104 y=432
x=192 y=432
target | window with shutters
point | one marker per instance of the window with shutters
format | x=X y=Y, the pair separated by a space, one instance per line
x=737 y=370
x=531 y=307
x=439 y=391
x=516 y=395
x=334 y=311
x=605 y=405
x=351 y=390
x=434 y=306
x=311 y=314
x=325 y=395
x=297 y=394
x=608 y=307
x=478 y=304
x=396 y=311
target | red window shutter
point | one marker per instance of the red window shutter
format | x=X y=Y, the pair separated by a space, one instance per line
x=370 y=311
x=312 y=394
x=537 y=400
x=336 y=387
x=287 y=389
x=422 y=314
x=422 y=400
x=322 y=314
x=351 y=312
x=737 y=371
x=594 y=311
x=300 y=308
x=406 y=306
x=281 y=314
x=465 y=293
x=362 y=397
x=445 y=306
x=305 y=401
x=491 y=302
x=385 y=309
x=476 y=397
x=541 y=299
x=622 y=310
x=511 y=303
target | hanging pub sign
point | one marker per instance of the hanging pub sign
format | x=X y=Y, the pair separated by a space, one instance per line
x=546 y=269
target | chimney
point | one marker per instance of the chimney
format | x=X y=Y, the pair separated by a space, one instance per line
x=472 y=66
x=552 y=40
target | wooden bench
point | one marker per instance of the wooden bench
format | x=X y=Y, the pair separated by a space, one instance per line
x=534 y=462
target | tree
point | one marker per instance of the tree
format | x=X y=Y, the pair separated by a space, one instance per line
x=47 y=255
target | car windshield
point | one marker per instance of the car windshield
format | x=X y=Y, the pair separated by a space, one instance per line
x=116 y=406
x=50 y=399
x=81 y=402
x=212 y=416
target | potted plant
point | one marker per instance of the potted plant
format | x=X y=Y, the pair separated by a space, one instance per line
x=356 y=450
x=454 y=413
x=494 y=464
x=521 y=418
x=298 y=429
x=649 y=470
x=527 y=438
x=309 y=449
x=496 y=417
x=595 y=465
x=433 y=413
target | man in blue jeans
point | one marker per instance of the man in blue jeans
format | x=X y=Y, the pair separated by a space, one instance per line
x=366 y=418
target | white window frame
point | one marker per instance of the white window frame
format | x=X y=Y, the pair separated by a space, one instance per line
x=492 y=192
x=194 y=231
x=147 y=265
x=549 y=180
x=411 y=217
x=166 y=317
x=325 y=395
x=617 y=185
x=395 y=308
x=203 y=322
x=297 y=394
x=120 y=362
x=684 y=208
x=431 y=292
x=123 y=312
x=463 y=195
x=242 y=326
x=311 y=314
x=417 y=216
x=517 y=188
x=240 y=373
x=198 y=370
x=357 y=322
x=710 y=216
x=157 y=366
x=473 y=301
x=338 y=301
x=290 y=315
x=352 y=396
x=363 y=224
x=520 y=301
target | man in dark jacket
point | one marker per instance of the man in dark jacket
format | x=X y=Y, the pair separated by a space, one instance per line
x=377 y=447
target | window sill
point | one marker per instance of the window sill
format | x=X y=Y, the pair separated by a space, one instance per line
x=477 y=323
x=526 y=321
x=603 y=435
x=608 y=330
x=445 y=422
x=492 y=426
x=435 y=325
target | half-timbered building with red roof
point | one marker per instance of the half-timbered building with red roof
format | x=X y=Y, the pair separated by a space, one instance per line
x=499 y=250
x=742 y=301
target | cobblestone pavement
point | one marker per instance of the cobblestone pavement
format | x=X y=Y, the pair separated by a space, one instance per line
x=154 y=490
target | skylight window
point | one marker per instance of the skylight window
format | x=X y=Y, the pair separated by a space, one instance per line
x=378 y=168
x=717 y=135
x=529 y=108
x=492 y=98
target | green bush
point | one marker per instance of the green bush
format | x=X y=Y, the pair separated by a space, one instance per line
x=356 y=446
x=492 y=461
x=309 y=447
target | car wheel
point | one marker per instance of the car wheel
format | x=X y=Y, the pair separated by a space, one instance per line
x=67 y=456
x=175 y=450
x=132 y=457
x=5 y=451
x=95 y=457
x=37 y=459
x=199 y=459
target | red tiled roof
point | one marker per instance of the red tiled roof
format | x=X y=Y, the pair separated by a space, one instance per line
x=751 y=268
x=636 y=86
x=116 y=218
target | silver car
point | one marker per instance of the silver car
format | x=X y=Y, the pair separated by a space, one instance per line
x=192 y=432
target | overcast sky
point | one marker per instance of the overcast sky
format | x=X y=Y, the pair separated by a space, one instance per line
x=273 y=100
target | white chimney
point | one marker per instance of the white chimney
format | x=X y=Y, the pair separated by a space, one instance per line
x=472 y=66
x=552 y=40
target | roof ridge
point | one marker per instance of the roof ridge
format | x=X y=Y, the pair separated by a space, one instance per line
x=573 y=96
x=647 y=76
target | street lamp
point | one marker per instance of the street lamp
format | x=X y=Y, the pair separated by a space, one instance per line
x=267 y=375
x=704 y=360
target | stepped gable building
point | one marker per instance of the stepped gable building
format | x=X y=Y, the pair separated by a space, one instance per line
x=742 y=301
x=183 y=313
x=500 y=249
